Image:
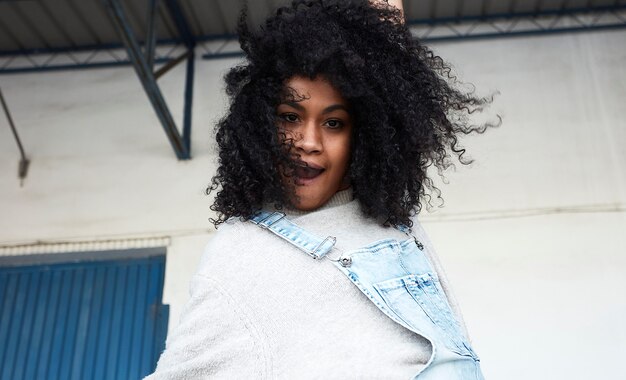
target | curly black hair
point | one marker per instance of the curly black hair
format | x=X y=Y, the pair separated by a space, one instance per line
x=406 y=105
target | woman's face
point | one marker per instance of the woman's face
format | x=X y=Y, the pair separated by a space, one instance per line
x=318 y=121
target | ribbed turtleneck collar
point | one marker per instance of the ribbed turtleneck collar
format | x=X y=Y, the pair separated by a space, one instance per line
x=340 y=198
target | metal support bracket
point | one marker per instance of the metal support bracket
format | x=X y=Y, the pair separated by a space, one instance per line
x=143 y=64
x=24 y=161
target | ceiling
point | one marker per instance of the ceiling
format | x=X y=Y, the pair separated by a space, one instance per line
x=38 y=26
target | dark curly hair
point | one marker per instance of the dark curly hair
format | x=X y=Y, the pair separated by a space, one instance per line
x=407 y=109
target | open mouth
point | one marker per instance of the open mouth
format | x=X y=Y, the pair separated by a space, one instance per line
x=306 y=171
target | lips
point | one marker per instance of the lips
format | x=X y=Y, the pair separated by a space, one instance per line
x=308 y=171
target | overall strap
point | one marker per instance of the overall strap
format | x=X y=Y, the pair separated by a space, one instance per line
x=277 y=223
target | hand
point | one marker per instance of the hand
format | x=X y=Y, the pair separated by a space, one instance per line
x=393 y=3
x=397 y=4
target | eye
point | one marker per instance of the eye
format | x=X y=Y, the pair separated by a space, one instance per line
x=334 y=124
x=289 y=117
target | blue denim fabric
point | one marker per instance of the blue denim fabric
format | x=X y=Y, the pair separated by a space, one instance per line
x=398 y=278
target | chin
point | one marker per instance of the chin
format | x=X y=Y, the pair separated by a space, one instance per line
x=309 y=204
x=306 y=206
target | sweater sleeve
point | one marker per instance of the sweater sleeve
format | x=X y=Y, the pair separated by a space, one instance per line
x=212 y=339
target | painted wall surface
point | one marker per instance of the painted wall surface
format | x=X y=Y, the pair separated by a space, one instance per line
x=533 y=233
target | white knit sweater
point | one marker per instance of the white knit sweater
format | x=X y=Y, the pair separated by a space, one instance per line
x=262 y=309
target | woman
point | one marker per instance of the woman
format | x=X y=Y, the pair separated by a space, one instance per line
x=319 y=268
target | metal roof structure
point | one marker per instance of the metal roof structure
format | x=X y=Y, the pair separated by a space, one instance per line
x=40 y=35
x=59 y=34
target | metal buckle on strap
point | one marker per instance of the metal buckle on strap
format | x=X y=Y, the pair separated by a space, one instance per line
x=264 y=225
x=409 y=233
x=321 y=247
x=345 y=261
x=266 y=220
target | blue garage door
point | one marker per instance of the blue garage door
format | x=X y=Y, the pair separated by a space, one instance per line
x=95 y=319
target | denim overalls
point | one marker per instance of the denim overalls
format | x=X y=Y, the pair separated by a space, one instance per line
x=398 y=278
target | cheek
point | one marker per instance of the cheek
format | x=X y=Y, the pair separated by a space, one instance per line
x=341 y=152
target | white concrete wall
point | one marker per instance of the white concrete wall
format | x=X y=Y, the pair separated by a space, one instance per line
x=533 y=234
x=542 y=287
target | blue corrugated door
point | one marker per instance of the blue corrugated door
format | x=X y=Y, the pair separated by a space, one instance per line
x=100 y=319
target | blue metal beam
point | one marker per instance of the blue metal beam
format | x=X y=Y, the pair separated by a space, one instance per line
x=146 y=77
x=142 y=62
x=520 y=33
x=517 y=15
x=185 y=32
x=24 y=161
x=504 y=25
x=187 y=115
x=181 y=23
x=80 y=48
x=230 y=54
x=150 y=43
x=73 y=66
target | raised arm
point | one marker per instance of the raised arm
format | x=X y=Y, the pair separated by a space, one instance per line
x=393 y=3
x=397 y=4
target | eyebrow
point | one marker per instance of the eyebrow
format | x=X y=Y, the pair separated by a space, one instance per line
x=326 y=110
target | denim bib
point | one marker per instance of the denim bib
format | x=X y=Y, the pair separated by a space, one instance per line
x=398 y=278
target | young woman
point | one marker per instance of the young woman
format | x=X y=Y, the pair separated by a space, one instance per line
x=319 y=268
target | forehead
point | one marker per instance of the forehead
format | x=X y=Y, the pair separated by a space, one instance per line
x=318 y=89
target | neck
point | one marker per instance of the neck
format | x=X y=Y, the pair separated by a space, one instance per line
x=339 y=198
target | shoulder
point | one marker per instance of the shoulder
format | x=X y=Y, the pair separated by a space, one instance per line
x=241 y=249
x=228 y=234
x=231 y=238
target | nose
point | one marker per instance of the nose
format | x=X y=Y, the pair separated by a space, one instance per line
x=309 y=138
